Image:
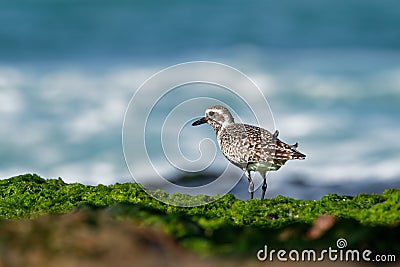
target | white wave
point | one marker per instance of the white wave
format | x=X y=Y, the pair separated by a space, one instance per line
x=67 y=122
x=11 y=101
x=93 y=173
x=46 y=113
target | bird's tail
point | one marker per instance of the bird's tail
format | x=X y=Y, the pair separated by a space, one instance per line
x=297 y=155
x=286 y=152
x=292 y=151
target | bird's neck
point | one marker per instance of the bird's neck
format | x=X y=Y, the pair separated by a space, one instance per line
x=219 y=127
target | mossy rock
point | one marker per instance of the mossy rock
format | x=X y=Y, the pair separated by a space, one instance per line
x=227 y=226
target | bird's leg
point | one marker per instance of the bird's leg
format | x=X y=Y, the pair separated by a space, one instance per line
x=251 y=184
x=264 y=186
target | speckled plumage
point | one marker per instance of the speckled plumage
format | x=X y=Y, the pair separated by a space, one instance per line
x=243 y=144
x=249 y=147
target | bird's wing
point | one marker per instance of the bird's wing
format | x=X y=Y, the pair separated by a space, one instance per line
x=248 y=143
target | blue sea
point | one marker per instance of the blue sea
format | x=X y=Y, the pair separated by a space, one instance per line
x=330 y=71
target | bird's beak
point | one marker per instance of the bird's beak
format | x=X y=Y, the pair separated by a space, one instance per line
x=200 y=121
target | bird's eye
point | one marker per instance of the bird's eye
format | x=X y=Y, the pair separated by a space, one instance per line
x=211 y=113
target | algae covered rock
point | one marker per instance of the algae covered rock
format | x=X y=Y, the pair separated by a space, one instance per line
x=227 y=226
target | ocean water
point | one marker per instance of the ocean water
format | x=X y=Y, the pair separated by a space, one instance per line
x=330 y=73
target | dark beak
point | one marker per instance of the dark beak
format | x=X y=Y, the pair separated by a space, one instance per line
x=198 y=122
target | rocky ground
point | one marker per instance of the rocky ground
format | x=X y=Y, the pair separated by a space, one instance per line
x=50 y=223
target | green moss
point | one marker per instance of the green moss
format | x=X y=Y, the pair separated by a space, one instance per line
x=225 y=226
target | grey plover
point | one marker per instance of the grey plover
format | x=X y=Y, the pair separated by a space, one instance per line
x=249 y=147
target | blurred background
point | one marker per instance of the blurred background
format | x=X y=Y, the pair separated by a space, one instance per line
x=330 y=71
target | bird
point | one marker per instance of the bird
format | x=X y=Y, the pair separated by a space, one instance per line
x=249 y=147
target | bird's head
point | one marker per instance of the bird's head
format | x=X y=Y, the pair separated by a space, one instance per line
x=217 y=116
